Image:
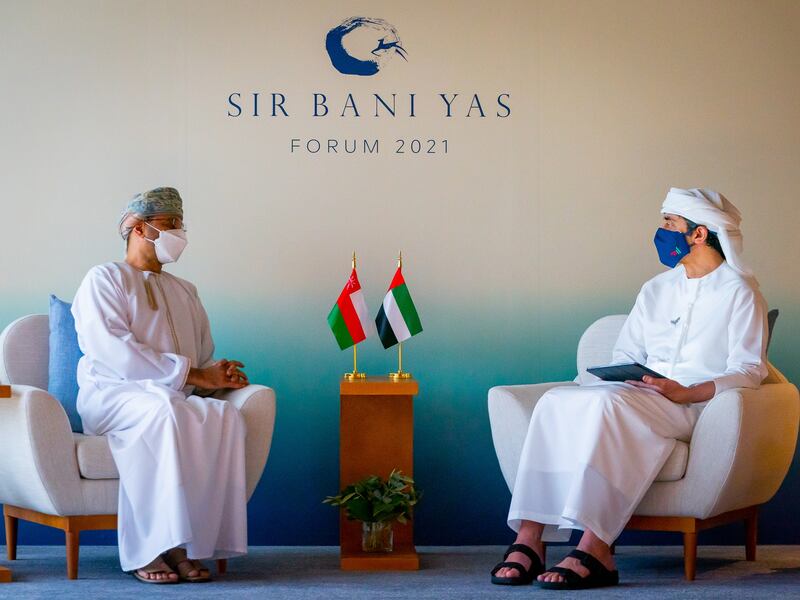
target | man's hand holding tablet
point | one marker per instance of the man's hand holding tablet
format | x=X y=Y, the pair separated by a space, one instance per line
x=624 y=372
x=642 y=377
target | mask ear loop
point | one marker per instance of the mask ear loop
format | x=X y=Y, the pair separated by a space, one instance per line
x=152 y=227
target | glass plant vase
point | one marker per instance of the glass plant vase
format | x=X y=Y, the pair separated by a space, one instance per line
x=377 y=537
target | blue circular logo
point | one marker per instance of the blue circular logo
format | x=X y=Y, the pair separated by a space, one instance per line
x=362 y=45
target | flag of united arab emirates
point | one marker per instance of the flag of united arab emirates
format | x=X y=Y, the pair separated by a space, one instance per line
x=349 y=317
x=397 y=319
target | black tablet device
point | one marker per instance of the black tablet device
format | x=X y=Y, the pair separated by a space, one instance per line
x=630 y=371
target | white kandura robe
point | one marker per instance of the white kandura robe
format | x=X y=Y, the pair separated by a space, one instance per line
x=180 y=457
x=592 y=452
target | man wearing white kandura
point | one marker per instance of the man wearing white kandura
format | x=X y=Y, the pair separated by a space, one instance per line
x=592 y=451
x=148 y=357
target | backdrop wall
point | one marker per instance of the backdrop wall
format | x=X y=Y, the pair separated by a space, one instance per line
x=537 y=220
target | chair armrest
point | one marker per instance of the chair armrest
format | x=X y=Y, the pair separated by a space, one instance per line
x=510 y=410
x=741 y=449
x=257 y=405
x=38 y=464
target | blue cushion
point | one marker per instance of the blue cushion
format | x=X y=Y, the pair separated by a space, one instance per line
x=64 y=356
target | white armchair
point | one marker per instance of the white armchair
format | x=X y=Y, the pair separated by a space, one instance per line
x=740 y=451
x=52 y=476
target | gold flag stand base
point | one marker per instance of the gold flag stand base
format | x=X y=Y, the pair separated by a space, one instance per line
x=355 y=375
x=399 y=374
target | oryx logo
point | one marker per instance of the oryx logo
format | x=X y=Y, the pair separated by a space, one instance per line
x=362 y=45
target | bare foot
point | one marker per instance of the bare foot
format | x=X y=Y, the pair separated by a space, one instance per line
x=158 y=570
x=606 y=558
x=190 y=568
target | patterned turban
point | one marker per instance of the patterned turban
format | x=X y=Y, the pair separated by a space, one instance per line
x=160 y=201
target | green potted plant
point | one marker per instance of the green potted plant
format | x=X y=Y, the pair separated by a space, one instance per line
x=378 y=504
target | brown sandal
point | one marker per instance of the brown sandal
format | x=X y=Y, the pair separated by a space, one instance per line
x=186 y=565
x=156 y=569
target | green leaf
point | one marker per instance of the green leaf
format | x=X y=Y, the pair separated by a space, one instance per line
x=373 y=499
x=359 y=509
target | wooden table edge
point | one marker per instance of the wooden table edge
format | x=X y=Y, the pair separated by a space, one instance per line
x=378 y=386
x=403 y=560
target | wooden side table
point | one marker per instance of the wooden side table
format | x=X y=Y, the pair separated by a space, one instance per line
x=376 y=436
x=5 y=573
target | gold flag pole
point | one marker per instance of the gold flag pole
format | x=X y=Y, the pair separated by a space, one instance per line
x=400 y=374
x=356 y=374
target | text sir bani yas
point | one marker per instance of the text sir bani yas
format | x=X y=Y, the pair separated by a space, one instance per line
x=318 y=105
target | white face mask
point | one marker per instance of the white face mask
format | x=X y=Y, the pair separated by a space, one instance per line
x=169 y=244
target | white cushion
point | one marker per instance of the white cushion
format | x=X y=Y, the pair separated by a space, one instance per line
x=675 y=467
x=94 y=457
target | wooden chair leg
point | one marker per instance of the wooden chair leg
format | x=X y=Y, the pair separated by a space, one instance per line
x=751 y=533
x=12 y=527
x=222 y=566
x=73 y=551
x=690 y=555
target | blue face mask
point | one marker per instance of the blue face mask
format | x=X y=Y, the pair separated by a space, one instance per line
x=671 y=245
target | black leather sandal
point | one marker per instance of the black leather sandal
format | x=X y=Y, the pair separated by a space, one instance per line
x=526 y=576
x=598 y=575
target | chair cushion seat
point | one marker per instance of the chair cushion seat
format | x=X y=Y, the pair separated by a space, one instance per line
x=94 y=457
x=675 y=467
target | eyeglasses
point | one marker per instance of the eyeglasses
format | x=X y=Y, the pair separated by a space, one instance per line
x=171 y=222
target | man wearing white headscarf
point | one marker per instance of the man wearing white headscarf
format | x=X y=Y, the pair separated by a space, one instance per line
x=592 y=451
x=148 y=354
x=711 y=209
